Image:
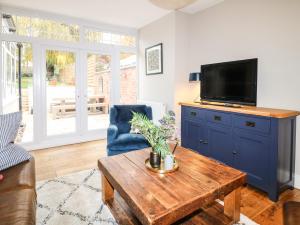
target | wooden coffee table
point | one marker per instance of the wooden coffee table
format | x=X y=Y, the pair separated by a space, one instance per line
x=186 y=196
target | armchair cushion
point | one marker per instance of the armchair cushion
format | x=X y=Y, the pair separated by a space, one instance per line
x=127 y=142
x=12 y=155
x=124 y=115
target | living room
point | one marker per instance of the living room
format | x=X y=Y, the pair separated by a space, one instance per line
x=77 y=71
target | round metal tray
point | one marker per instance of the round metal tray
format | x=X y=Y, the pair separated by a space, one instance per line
x=160 y=169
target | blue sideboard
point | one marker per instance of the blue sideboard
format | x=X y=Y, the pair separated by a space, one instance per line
x=261 y=146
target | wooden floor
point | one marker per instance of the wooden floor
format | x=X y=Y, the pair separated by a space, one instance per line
x=54 y=162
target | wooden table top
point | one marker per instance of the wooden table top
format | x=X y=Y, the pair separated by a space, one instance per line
x=162 y=199
x=250 y=110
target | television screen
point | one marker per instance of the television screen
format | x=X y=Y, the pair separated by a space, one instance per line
x=230 y=82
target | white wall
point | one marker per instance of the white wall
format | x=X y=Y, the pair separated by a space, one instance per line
x=266 y=29
x=173 y=31
x=183 y=90
x=159 y=87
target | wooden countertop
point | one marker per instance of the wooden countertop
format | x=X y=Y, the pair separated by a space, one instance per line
x=250 y=110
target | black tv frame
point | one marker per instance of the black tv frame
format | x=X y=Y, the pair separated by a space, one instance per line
x=231 y=101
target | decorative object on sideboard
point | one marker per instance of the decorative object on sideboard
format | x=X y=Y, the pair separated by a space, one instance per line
x=195 y=77
x=154 y=59
x=172 y=4
x=158 y=137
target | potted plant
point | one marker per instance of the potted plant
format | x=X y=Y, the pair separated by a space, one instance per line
x=156 y=135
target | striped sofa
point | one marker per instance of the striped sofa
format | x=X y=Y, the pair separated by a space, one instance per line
x=17 y=186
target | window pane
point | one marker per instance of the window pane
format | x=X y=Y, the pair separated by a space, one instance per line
x=128 y=79
x=10 y=92
x=109 y=38
x=54 y=30
x=61 y=92
x=127 y=40
x=99 y=75
x=35 y=27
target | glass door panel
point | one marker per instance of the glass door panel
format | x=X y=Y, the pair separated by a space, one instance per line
x=17 y=97
x=98 y=90
x=128 y=78
x=60 y=92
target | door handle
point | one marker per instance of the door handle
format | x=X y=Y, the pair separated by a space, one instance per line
x=250 y=124
x=217 y=118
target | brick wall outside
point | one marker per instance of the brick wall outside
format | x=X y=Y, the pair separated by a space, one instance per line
x=128 y=81
x=128 y=86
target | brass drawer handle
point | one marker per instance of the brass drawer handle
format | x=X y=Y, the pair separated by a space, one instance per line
x=250 y=124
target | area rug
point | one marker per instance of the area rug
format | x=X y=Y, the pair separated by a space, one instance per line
x=75 y=199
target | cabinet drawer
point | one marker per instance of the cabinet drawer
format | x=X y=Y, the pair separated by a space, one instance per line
x=218 y=117
x=191 y=113
x=252 y=123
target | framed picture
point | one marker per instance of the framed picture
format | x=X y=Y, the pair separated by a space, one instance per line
x=154 y=59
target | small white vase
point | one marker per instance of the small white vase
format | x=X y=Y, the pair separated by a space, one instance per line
x=169 y=162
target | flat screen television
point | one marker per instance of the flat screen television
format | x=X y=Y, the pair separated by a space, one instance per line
x=230 y=82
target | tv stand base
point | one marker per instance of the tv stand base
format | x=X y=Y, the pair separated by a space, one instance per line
x=220 y=104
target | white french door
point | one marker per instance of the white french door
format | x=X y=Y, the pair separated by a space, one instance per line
x=75 y=95
x=59 y=96
x=67 y=91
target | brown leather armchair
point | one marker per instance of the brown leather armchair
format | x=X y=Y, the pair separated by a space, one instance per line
x=18 y=195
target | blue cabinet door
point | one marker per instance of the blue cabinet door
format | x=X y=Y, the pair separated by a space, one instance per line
x=220 y=144
x=194 y=136
x=252 y=157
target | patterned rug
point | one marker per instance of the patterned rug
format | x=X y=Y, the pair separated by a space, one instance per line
x=75 y=199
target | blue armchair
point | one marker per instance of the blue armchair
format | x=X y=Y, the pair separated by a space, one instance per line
x=119 y=138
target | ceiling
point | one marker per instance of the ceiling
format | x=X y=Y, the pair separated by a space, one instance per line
x=129 y=13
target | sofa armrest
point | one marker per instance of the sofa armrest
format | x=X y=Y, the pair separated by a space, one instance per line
x=112 y=133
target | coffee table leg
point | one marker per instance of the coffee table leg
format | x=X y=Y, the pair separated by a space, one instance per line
x=107 y=190
x=232 y=204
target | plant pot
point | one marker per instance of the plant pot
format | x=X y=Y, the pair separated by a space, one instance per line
x=155 y=159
